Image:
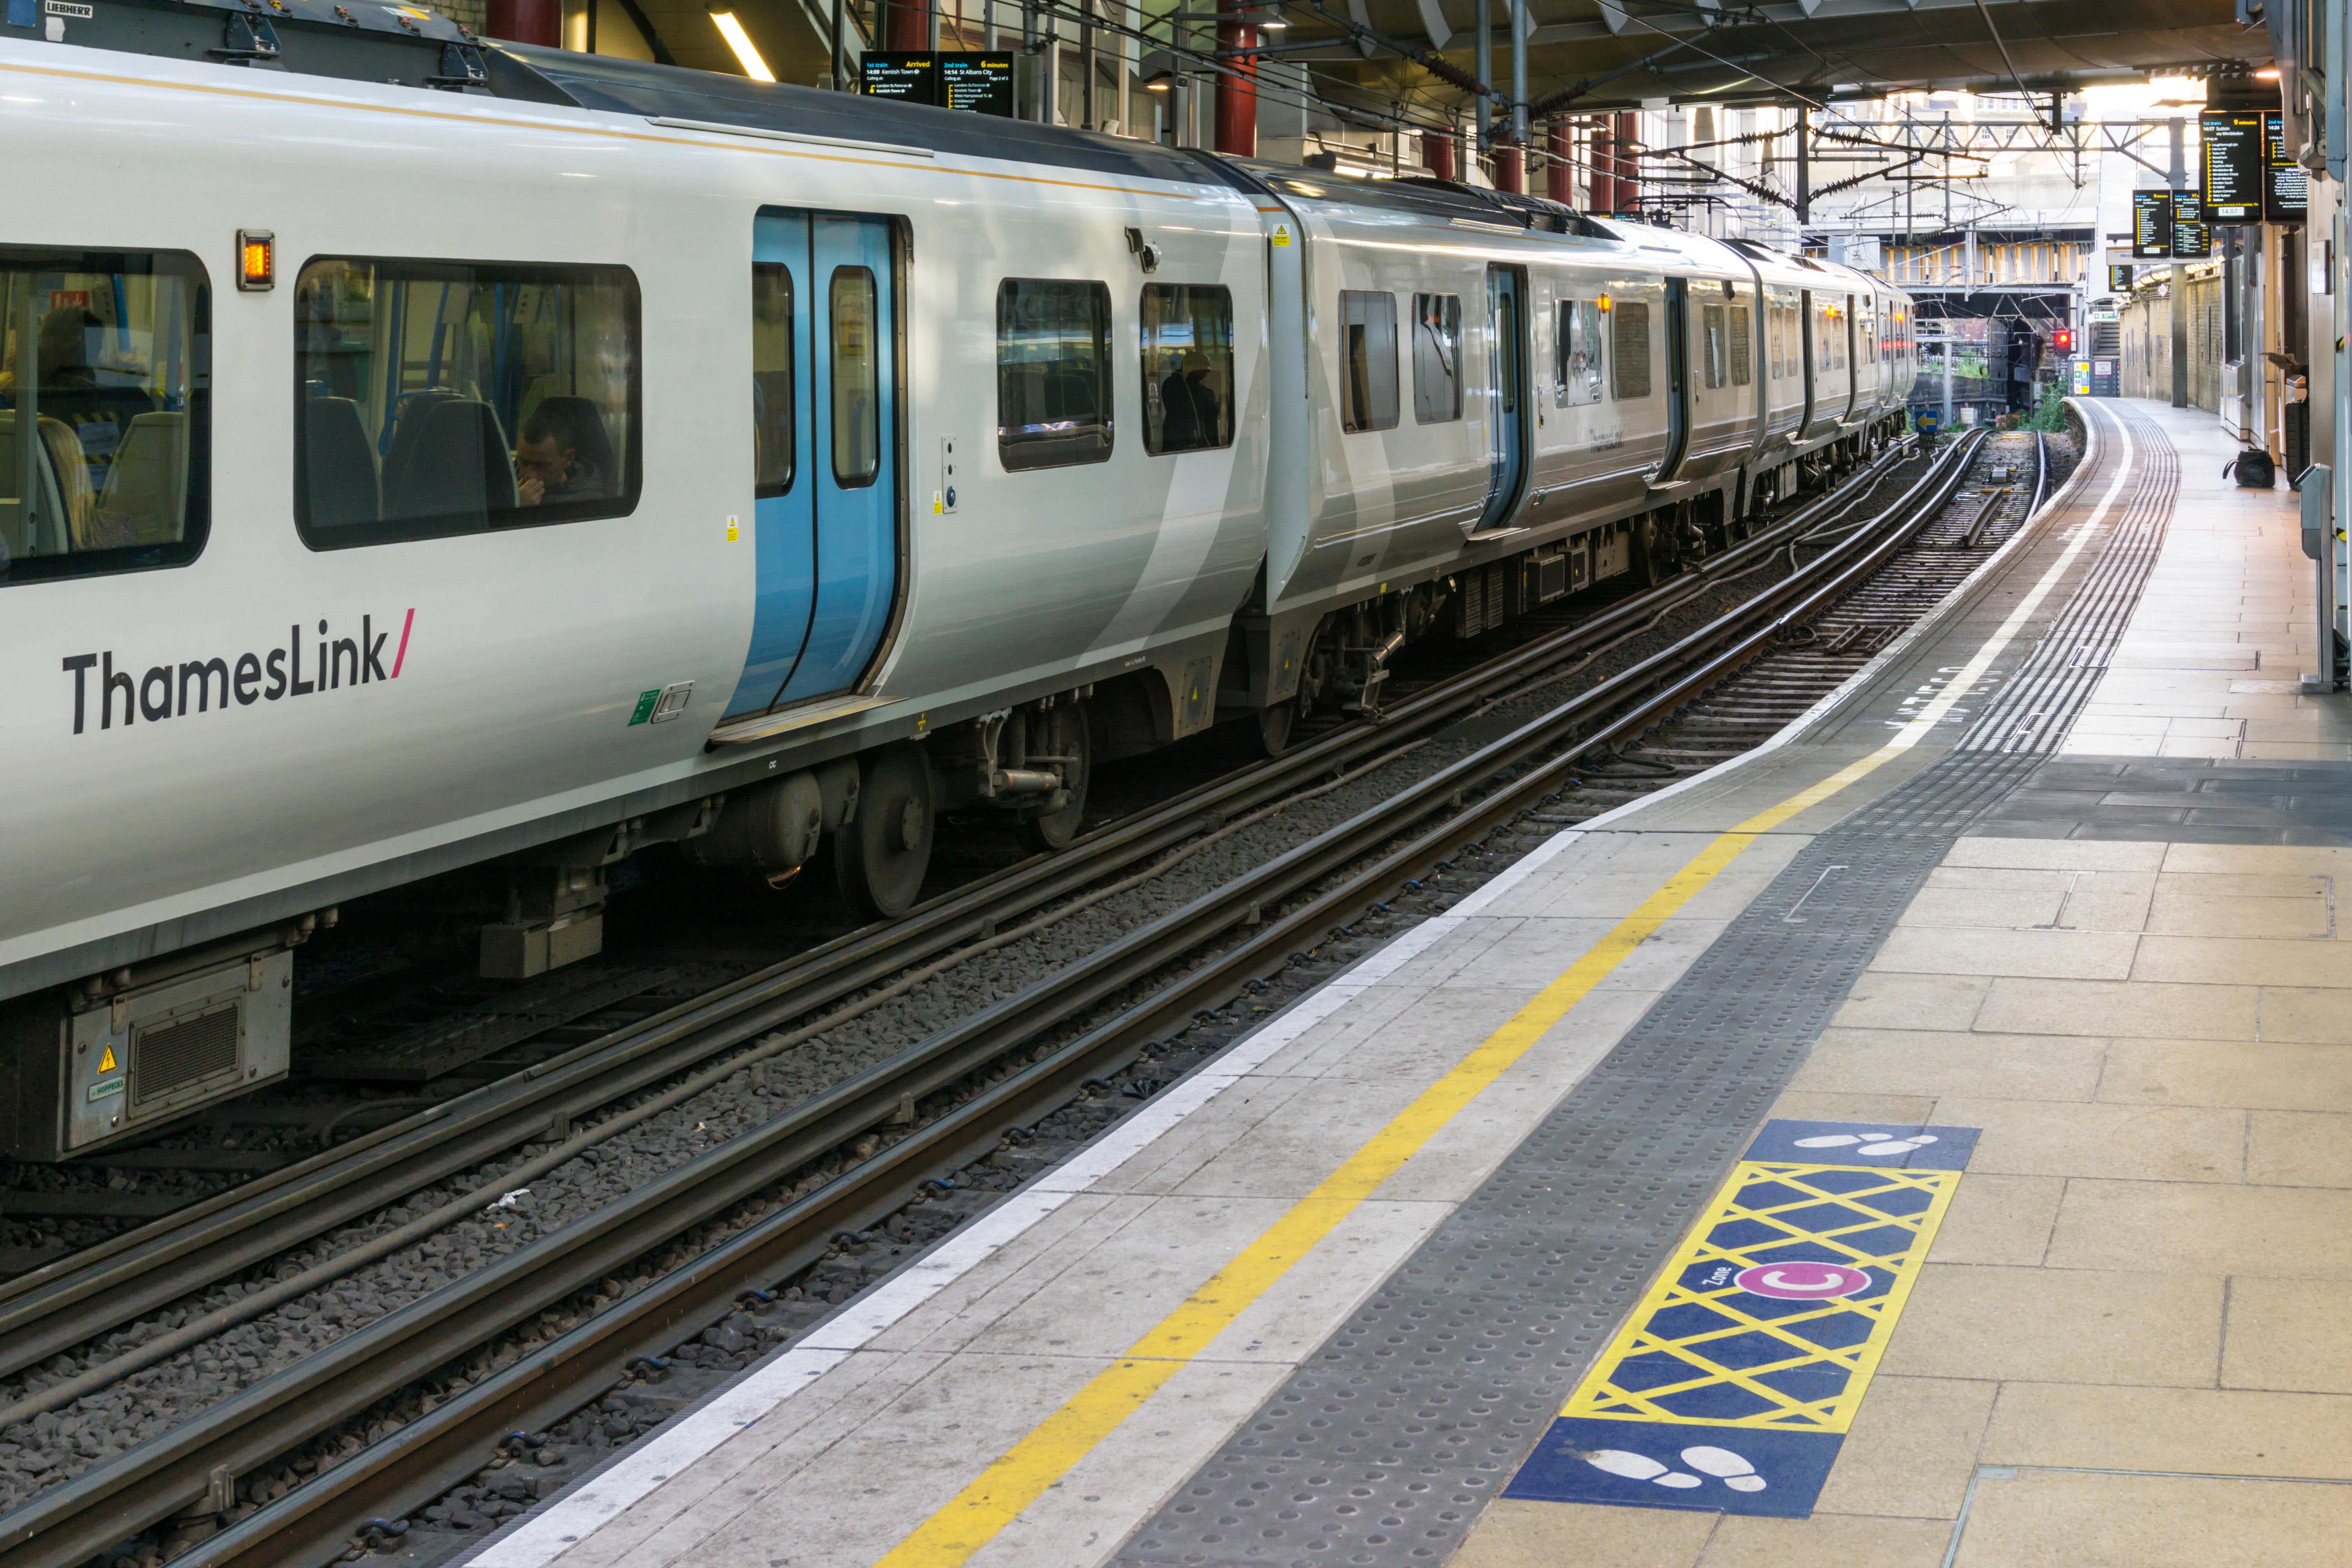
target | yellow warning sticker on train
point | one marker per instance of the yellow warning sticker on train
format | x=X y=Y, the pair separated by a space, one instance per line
x=1281 y=236
x=106 y=1058
x=734 y=531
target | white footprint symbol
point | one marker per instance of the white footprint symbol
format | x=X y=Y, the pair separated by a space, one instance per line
x=1872 y=1143
x=1732 y=1469
x=1640 y=1467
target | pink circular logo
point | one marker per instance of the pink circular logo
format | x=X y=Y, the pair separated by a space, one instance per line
x=1803 y=1281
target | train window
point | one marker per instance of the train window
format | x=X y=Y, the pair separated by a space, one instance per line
x=1577 y=346
x=773 y=438
x=1743 y=347
x=1053 y=372
x=1188 y=367
x=105 y=411
x=1368 y=390
x=1629 y=354
x=856 y=381
x=435 y=398
x=1436 y=358
x=1715 y=352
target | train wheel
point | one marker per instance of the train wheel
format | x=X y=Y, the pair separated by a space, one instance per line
x=1070 y=739
x=1653 y=554
x=1274 y=727
x=879 y=857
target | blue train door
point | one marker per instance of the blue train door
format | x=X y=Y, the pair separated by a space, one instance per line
x=824 y=403
x=1678 y=389
x=1506 y=374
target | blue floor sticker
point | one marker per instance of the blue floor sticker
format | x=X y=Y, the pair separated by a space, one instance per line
x=1711 y=1470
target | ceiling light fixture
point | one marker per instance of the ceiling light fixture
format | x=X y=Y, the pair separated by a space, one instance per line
x=740 y=42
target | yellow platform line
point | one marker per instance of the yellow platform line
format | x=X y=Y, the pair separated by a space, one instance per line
x=1017 y=1478
x=1023 y=1473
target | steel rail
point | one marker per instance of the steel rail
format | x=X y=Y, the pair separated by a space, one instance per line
x=76 y=1299
x=160 y=1478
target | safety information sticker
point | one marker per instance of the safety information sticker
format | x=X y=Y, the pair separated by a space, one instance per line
x=1733 y=1382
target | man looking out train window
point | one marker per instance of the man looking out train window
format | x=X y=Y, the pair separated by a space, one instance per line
x=548 y=464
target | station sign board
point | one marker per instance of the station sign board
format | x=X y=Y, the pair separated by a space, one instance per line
x=2118 y=279
x=2233 y=140
x=2286 y=187
x=2152 y=226
x=977 y=82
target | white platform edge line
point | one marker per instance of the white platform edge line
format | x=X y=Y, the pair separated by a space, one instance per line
x=1964 y=591
x=543 y=1536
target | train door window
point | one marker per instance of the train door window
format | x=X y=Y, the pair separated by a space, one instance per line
x=105 y=411
x=1506 y=351
x=1715 y=350
x=1578 y=346
x=856 y=381
x=1629 y=352
x=1743 y=346
x=774 y=442
x=1053 y=372
x=1368 y=390
x=1436 y=358
x=445 y=397
x=1188 y=367
x=1776 y=347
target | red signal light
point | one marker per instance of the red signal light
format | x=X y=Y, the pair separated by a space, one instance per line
x=2063 y=340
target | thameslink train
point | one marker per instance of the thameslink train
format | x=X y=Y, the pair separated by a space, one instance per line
x=505 y=456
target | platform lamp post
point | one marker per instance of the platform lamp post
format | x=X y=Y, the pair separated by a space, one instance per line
x=2180 y=280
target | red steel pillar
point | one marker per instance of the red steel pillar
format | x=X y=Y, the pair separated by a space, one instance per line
x=1559 y=168
x=908 y=26
x=1510 y=170
x=526 y=22
x=1238 y=88
x=1628 y=196
x=1437 y=154
x=1604 y=174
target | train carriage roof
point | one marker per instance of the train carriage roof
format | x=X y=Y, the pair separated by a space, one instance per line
x=615 y=86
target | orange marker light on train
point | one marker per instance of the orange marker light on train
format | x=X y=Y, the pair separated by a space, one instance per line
x=256 y=259
x=1604 y=305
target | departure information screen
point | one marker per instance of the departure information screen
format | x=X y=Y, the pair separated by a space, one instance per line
x=2191 y=241
x=909 y=78
x=979 y=83
x=2233 y=140
x=975 y=82
x=2152 y=226
x=2286 y=189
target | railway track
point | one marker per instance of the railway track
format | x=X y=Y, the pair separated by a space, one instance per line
x=961 y=1088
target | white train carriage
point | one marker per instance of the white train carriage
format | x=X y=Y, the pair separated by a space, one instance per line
x=592 y=455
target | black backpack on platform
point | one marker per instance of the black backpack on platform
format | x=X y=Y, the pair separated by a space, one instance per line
x=2255 y=470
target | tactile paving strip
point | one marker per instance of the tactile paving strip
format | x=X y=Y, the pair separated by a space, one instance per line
x=2038 y=704
x=1385 y=1445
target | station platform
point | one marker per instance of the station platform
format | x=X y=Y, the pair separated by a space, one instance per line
x=1925 y=1141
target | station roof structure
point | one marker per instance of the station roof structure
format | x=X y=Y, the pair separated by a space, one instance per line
x=1593 y=56
x=1617 y=54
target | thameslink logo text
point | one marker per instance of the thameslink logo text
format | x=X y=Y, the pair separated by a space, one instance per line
x=173 y=691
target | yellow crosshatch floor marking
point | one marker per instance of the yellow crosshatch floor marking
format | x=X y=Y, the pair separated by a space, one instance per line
x=1727 y=1340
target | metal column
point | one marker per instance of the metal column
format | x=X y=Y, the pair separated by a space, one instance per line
x=2179 y=281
